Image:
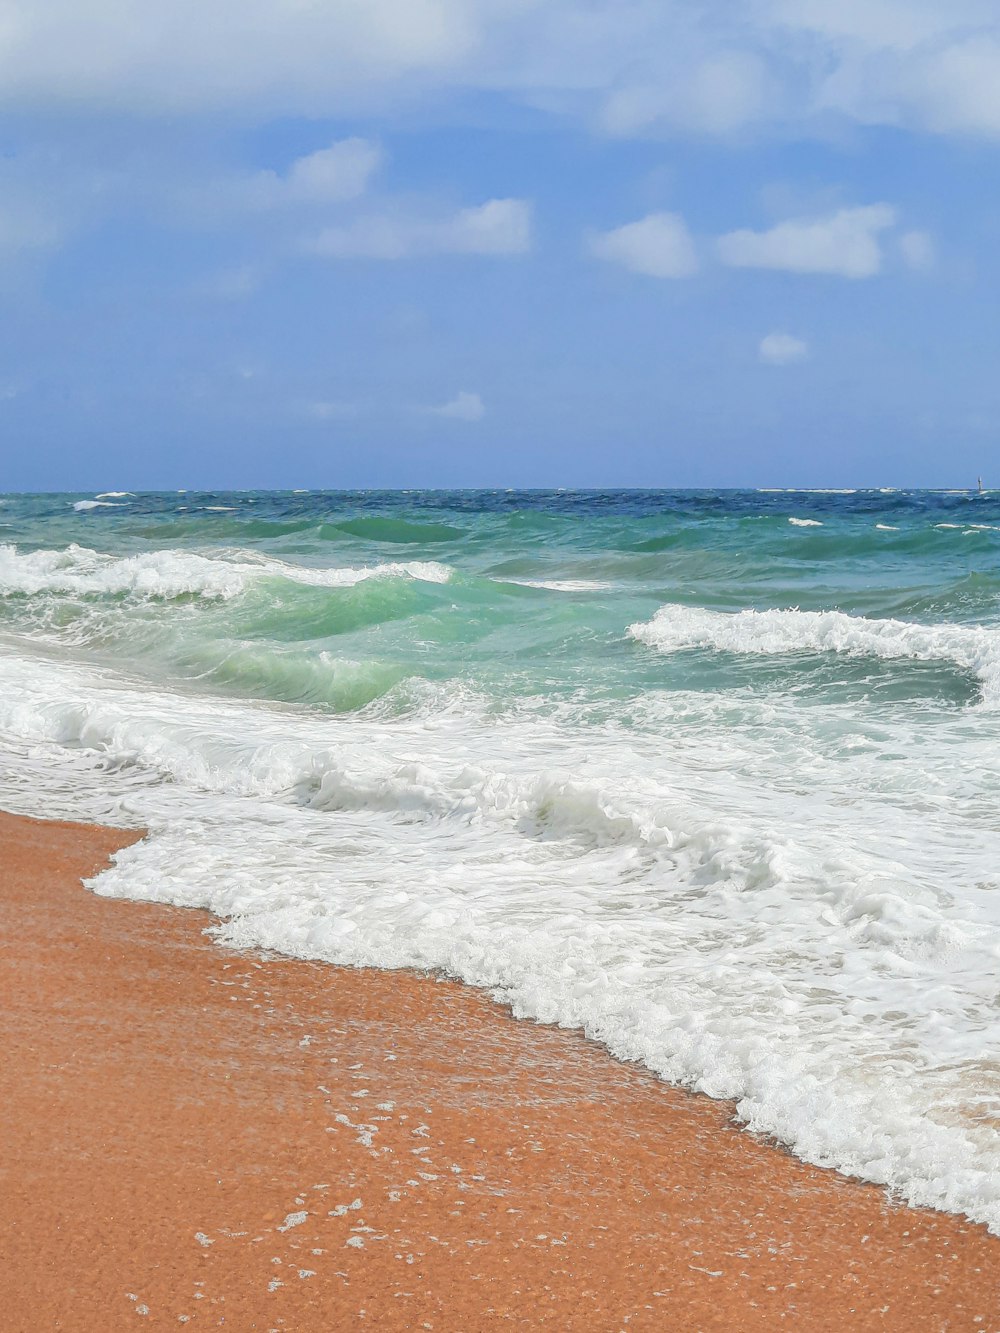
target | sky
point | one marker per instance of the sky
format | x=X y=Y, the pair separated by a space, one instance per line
x=398 y=243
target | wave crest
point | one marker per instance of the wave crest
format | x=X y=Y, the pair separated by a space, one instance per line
x=170 y=574
x=971 y=648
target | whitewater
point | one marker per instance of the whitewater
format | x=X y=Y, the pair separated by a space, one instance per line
x=712 y=776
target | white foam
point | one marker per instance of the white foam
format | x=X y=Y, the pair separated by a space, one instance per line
x=77 y=570
x=114 y=495
x=83 y=506
x=886 y=527
x=807 y=925
x=972 y=648
x=562 y=585
x=423 y=571
x=805 y=522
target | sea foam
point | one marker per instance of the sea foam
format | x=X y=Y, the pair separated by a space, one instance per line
x=774 y=881
x=971 y=648
x=678 y=914
x=170 y=574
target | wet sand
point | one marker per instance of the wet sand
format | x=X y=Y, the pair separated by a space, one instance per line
x=194 y=1137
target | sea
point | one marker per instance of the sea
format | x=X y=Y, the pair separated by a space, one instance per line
x=712 y=776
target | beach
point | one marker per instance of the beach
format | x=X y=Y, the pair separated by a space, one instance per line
x=196 y=1135
x=500 y=666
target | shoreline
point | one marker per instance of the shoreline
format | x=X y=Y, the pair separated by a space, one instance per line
x=198 y=1136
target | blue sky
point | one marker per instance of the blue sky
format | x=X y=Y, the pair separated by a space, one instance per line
x=499 y=242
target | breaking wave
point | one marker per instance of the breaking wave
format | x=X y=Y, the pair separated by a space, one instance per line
x=972 y=648
x=165 y=575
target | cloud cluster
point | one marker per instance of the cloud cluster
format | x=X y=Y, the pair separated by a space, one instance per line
x=322 y=204
x=181 y=56
x=645 y=67
x=845 y=244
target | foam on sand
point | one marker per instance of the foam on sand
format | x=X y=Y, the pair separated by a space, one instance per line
x=770 y=953
x=231 y=1224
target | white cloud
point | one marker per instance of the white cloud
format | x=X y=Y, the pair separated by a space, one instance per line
x=659 y=245
x=722 y=94
x=893 y=25
x=917 y=249
x=341 y=171
x=183 y=55
x=465 y=406
x=924 y=64
x=331 y=175
x=781 y=349
x=957 y=88
x=499 y=227
x=846 y=244
x=630 y=66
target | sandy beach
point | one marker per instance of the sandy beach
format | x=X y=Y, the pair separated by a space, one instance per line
x=198 y=1137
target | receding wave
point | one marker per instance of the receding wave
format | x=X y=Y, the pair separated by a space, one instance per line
x=971 y=648
x=679 y=932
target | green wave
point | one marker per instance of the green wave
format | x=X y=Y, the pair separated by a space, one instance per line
x=256 y=671
x=401 y=531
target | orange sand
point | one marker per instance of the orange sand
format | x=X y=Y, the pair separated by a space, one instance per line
x=196 y=1137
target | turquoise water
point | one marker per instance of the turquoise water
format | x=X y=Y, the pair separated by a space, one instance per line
x=713 y=776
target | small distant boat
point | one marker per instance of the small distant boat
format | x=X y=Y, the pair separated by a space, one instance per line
x=979 y=481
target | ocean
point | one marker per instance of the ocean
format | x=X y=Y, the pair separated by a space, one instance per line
x=712 y=776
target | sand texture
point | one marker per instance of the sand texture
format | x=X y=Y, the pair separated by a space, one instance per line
x=194 y=1137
